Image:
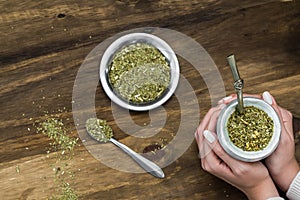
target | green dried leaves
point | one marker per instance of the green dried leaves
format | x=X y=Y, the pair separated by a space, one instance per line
x=252 y=130
x=55 y=130
x=99 y=129
x=139 y=73
x=67 y=193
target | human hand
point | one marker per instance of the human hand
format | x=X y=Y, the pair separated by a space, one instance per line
x=251 y=178
x=282 y=164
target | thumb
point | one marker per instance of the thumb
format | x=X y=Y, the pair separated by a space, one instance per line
x=267 y=97
x=218 y=150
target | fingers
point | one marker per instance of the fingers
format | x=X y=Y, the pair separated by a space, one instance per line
x=198 y=135
x=210 y=162
x=267 y=97
x=213 y=121
x=204 y=148
x=284 y=115
x=252 y=95
x=206 y=151
x=287 y=122
x=207 y=117
x=208 y=123
x=232 y=97
x=217 y=161
x=219 y=151
x=227 y=99
x=206 y=120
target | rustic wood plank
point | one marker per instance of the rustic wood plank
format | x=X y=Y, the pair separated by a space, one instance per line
x=43 y=44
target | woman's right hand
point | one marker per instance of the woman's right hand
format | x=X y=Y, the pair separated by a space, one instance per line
x=282 y=164
x=251 y=178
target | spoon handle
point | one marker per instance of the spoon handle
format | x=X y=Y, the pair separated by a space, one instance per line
x=146 y=164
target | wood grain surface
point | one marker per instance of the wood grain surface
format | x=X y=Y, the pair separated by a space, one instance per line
x=44 y=43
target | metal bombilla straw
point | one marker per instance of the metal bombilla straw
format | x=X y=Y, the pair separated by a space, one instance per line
x=238 y=82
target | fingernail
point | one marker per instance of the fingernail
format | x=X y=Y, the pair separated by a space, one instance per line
x=225 y=99
x=209 y=136
x=267 y=97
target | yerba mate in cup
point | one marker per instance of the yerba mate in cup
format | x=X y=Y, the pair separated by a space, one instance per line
x=252 y=135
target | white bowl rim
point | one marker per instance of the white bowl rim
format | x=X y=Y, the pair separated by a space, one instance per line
x=160 y=44
x=230 y=148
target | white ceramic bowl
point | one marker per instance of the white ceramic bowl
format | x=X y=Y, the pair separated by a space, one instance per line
x=230 y=148
x=133 y=38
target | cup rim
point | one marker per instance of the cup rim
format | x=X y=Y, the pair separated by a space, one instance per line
x=234 y=151
x=132 y=38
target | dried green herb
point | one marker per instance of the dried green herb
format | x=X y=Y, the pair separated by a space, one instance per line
x=99 y=129
x=18 y=169
x=67 y=193
x=139 y=73
x=54 y=129
x=251 y=130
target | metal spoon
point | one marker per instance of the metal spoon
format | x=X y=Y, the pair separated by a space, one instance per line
x=99 y=130
x=238 y=82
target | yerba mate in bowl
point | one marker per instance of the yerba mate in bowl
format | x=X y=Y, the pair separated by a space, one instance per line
x=252 y=135
x=139 y=71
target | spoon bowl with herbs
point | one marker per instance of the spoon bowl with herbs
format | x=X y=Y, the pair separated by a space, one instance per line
x=252 y=135
x=100 y=131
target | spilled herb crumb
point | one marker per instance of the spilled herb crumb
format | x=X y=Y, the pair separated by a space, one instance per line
x=63 y=144
x=54 y=129
x=18 y=169
x=67 y=193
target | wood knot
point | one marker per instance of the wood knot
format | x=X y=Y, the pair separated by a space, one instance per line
x=153 y=152
x=61 y=15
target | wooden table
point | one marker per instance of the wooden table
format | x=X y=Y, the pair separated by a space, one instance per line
x=44 y=44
